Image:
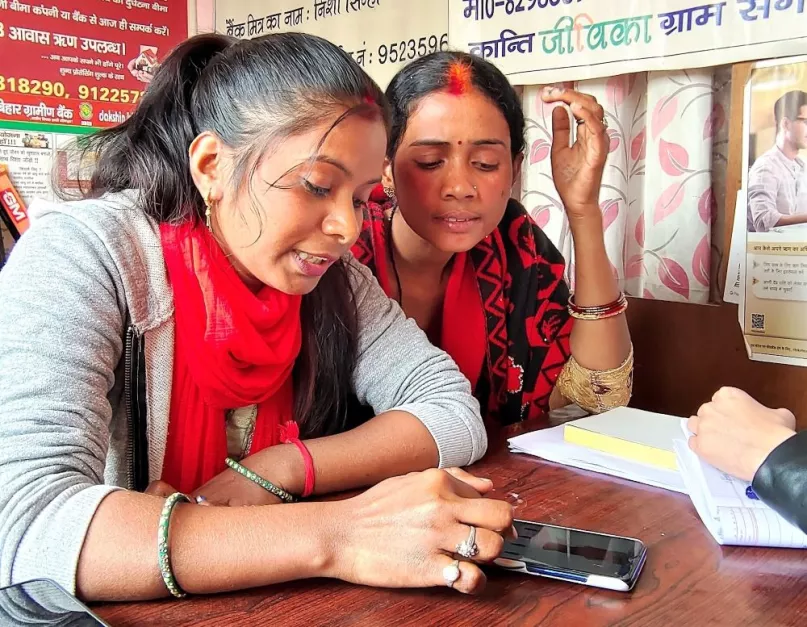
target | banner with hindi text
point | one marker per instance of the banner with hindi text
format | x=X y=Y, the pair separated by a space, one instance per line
x=381 y=35
x=546 y=41
x=78 y=65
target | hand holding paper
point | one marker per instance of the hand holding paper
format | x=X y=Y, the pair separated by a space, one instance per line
x=729 y=508
x=735 y=433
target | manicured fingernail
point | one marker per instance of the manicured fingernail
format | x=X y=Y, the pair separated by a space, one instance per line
x=486 y=480
x=200 y=499
x=513 y=531
x=576 y=106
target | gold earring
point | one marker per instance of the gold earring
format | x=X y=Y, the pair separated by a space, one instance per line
x=389 y=191
x=208 y=211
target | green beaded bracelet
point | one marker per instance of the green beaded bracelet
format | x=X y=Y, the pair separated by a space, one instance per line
x=266 y=485
x=163 y=556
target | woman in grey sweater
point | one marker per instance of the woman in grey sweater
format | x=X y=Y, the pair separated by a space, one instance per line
x=199 y=304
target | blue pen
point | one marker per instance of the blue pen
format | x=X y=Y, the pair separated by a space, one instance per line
x=749 y=492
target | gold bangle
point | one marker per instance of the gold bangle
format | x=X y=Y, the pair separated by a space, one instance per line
x=597 y=391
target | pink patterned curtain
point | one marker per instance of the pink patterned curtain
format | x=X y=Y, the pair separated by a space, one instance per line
x=667 y=131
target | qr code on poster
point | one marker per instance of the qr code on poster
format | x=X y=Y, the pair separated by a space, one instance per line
x=757 y=322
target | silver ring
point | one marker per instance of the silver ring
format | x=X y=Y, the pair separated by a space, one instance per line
x=468 y=548
x=451 y=573
x=604 y=122
x=200 y=499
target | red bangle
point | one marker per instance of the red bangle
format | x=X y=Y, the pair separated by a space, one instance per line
x=598 y=312
x=290 y=434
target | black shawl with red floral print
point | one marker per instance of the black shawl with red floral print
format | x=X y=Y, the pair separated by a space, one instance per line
x=520 y=277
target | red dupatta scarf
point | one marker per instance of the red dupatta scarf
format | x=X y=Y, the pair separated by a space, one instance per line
x=518 y=280
x=462 y=324
x=233 y=348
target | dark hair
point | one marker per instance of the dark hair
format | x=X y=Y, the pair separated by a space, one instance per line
x=431 y=73
x=788 y=106
x=251 y=94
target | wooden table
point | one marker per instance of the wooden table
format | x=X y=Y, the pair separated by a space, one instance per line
x=688 y=578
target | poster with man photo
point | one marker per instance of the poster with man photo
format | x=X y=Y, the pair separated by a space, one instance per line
x=774 y=304
x=777 y=145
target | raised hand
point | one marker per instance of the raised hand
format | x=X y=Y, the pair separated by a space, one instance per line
x=577 y=168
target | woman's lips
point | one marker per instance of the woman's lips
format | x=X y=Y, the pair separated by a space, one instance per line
x=312 y=265
x=458 y=221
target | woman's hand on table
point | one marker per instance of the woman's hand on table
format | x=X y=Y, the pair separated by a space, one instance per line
x=403 y=532
x=228 y=488
x=223 y=490
x=232 y=489
x=735 y=433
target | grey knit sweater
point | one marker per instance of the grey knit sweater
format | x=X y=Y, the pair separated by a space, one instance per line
x=82 y=273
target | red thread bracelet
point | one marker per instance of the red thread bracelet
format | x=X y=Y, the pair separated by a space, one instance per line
x=290 y=434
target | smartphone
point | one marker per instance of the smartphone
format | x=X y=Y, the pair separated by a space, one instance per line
x=585 y=557
x=44 y=602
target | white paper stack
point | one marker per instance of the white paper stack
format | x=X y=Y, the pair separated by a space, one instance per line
x=729 y=510
x=730 y=513
x=549 y=444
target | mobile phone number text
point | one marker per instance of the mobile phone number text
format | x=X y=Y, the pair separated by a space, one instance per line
x=411 y=49
x=400 y=51
x=49 y=88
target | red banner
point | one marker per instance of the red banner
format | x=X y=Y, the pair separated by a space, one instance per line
x=80 y=63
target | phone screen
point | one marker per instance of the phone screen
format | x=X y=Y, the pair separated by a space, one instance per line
x=42 y=602
x=570 y=549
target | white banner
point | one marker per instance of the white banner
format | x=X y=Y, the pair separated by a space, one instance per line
x=546 y=41
x=382 y=35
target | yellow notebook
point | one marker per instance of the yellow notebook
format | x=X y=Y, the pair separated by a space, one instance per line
x=641 y=436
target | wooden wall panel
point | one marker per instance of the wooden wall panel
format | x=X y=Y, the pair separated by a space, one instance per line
x=684 y=353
